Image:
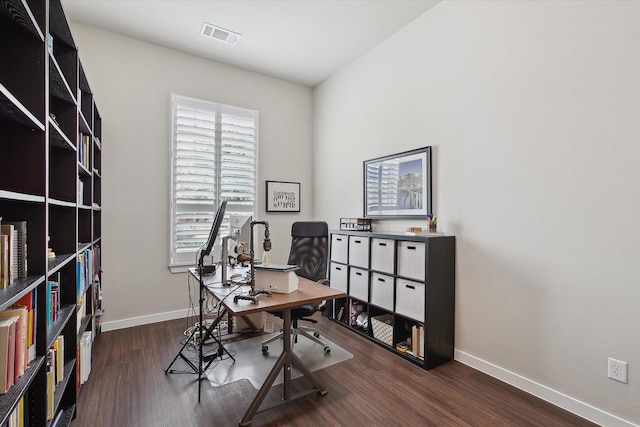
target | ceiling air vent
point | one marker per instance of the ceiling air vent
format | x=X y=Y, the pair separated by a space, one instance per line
x=220 y=34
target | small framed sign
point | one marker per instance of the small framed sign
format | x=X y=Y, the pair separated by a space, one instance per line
x=283 y=196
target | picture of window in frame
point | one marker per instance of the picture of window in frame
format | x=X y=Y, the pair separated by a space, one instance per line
x=399 y=185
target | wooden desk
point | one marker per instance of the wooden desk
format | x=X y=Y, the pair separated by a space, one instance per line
x=308 y=292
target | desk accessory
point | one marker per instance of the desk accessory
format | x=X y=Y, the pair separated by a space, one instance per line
x=278 y=277
x=266 y=246
x=355 y=224
x=239 y=233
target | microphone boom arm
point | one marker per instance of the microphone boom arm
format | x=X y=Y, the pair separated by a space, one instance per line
x=266 y=245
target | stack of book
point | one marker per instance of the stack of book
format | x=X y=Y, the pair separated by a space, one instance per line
x=84 y=152
x=19 y=417
x=84 y=275
x=84 y=358
x=13 y=252
x=55 y=372
x=53 y=301
x=417 y=340
x=17 y=345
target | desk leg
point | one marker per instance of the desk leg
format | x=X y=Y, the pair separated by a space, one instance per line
x=285 y=360
x=286 y=349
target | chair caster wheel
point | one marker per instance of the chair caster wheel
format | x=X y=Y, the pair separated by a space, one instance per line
x=265 y=349
x=317 y=335
x=327 y=350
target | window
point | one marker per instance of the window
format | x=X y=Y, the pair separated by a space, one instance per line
x=214 y=158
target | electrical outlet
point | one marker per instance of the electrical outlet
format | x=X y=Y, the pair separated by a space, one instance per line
x=618 y=370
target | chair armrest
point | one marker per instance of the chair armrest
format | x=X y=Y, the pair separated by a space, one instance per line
x=324 y=282
x=322 y=304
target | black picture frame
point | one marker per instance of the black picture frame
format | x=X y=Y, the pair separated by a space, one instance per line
x=398 y=185
x=282 y=196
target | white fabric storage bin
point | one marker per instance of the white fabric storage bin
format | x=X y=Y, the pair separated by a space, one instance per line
x=339 y=245
x=410 y=299
x=338 y=277
x=382 y=290
x=359 y=251
x=382 y=255
x=359 y=283
x=411 y=256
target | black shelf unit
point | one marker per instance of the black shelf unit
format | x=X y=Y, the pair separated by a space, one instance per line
x=46 y=107
x=356 y=268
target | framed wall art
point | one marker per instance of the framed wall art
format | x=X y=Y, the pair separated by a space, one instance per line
x=399 y=185
x=283 y=196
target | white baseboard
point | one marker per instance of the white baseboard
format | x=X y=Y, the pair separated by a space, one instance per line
x=554 y=397
x=145 y=320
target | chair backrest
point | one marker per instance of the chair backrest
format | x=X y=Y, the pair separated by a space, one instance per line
x=310 y=249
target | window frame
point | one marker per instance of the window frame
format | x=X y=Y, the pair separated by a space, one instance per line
x=181 y=262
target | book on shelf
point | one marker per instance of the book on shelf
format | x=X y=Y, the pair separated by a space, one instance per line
x=80 y=192
x=52 y=301
x=424 y=233
x=4 y=261
x=96 y=261
x=20 y=246
x=79 y=279
x=29 y=303
x=81 y=312
x=85 y=356
x=416 y=343
x=7 y=352
x=277 y=267
x=84 y=276
x=51 y=389
x=12 y=246
x=84 y=152
x=20 y=415
x=417 y=340
x=55 y=362
x=55 y=301
x=21 y=342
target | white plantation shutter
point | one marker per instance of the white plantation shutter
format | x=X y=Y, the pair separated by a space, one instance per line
x=214 y=158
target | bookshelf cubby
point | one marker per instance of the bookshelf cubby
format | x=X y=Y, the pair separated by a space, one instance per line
x=50 y=179
x=400 y=291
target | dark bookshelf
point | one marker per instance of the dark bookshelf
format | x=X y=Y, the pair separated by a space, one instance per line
x=46 y=108
x=9 y=400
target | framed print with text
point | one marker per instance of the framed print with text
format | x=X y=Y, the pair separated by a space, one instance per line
x=283 y=196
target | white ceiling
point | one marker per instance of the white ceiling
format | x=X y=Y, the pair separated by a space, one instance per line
x=303 y=41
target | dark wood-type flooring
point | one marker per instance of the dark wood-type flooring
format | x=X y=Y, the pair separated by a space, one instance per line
x=128 y=387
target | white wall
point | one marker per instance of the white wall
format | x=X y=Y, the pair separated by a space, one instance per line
x=131 y=81
x=533 y=110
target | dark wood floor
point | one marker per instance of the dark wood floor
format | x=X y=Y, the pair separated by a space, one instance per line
x=128 y=387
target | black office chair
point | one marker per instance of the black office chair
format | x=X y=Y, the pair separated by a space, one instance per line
x=309 y=251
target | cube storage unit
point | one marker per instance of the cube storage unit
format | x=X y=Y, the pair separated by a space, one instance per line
x=400 y=291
